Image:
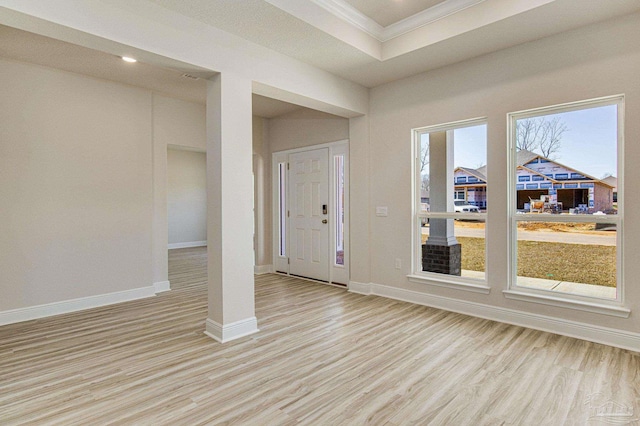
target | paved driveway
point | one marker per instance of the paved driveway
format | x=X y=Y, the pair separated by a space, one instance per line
x=603 y=239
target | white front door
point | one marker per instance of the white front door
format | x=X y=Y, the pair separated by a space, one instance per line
x=309 y=214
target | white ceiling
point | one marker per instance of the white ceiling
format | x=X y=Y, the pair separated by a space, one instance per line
x=36 y=49
x=339 y=36
x=387 y=12
x=325 y=33
x=28 y=47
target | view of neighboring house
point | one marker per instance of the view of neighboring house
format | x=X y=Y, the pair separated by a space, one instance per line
x=471 y=186
x=538 y=176
x=612 y=181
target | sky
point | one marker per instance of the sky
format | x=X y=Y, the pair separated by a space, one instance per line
x=589 y=145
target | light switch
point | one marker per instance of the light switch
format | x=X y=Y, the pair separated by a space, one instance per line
x=382 y=211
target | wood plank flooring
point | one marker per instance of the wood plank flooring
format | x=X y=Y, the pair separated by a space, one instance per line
x=323 y=356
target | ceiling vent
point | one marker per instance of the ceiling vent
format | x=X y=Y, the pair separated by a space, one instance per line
x=192 y=77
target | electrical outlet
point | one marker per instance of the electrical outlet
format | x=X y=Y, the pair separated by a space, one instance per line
x=398 y=263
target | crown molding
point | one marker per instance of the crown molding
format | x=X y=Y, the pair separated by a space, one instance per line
x=426 y=17
x=351 y=15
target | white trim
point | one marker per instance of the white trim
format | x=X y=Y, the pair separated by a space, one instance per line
x=228 y=332
x=549 y=297
x=262 y=269
x=161 y=286
x=186 y=148
x=482 y=217
x=352 y=16
x=343 y=10
x=570 y=218
x=417 y=214
x=74 y=305
x=452 y=125
x=187 y=245
x=564 y=302
x=337 y=273
x=280 y=263
x=451 y=281
x=593 y=333
x=360 y=288
x=312 y=147
x=427 y=16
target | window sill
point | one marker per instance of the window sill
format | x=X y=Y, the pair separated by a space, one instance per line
x=549 y=300
x=450 y=282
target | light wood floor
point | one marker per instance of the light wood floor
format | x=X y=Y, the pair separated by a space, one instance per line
x=323 y=356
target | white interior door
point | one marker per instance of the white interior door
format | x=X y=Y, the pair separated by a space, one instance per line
x=308 y=214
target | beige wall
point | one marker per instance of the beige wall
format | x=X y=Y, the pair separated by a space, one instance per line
x=179 y=124
x=306 y=127
x=83 y=171
x=586 y=63
x=297 y=129
x=75 y=185
x=262 y=191
x=187 y=196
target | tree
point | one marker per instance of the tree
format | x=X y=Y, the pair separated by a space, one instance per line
x=424 y=156
x=541 y=134
x=425 y=181
x=424 y=164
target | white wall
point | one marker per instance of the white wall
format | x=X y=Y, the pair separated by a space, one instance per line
x=75 y=185
x=591 y=62
x=187 y=198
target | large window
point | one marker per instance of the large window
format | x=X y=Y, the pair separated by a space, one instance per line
x=450 y=204
x=565 y=168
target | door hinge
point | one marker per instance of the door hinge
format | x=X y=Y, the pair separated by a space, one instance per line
x=288 y=261
x=287 y=166
x=287 y=213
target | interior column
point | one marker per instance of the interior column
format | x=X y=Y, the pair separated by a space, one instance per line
x=230 y=209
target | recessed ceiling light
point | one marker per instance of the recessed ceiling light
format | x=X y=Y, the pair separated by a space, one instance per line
x=128 y=59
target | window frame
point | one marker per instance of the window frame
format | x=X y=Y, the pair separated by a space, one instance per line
x=614 y=307
x=417 y=275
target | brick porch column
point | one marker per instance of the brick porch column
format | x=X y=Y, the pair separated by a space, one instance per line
x=441 y=252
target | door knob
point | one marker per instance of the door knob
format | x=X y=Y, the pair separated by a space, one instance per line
x=324 y=220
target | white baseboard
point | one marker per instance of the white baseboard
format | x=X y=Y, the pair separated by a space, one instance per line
x=228 y=332
x=593 y=333
x=187 y=245
x=161 y=286
x=262 y=269
x=360 y=288
x=67 y=306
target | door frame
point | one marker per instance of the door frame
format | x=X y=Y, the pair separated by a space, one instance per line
x=337 y=273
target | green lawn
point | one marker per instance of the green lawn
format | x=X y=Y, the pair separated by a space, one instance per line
x=580 y=263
